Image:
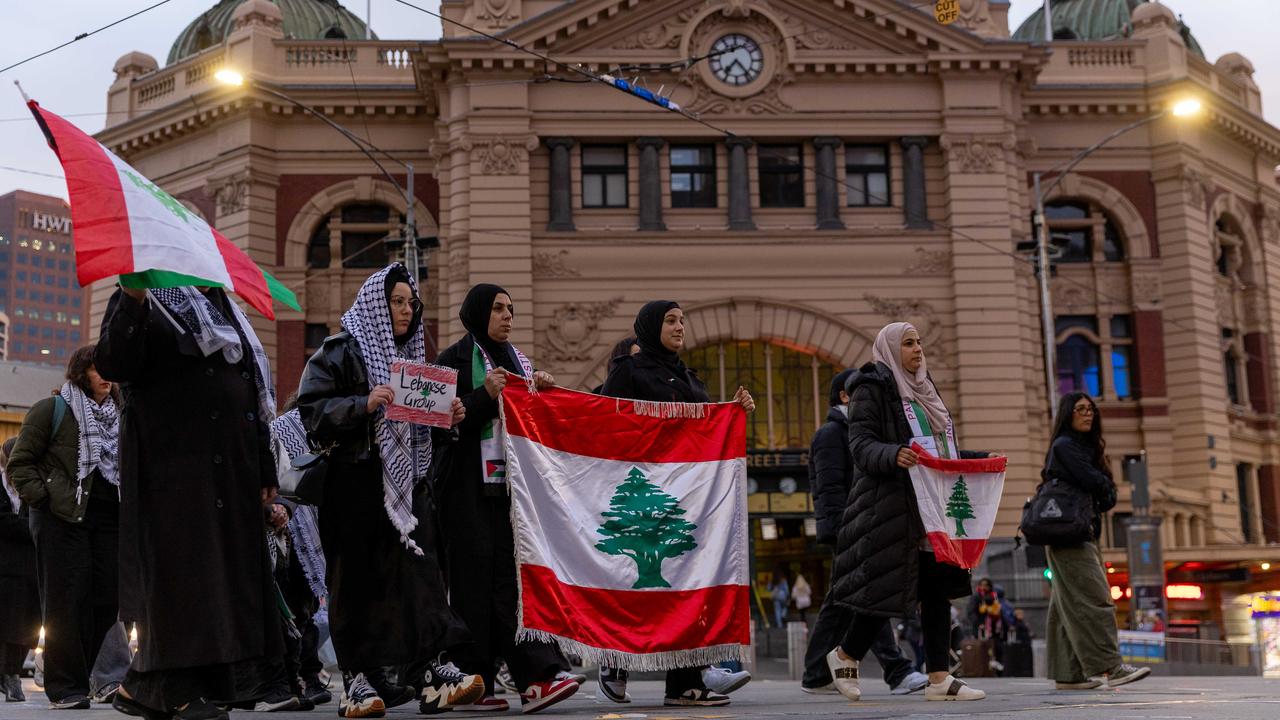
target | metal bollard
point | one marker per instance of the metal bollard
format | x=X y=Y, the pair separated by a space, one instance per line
x=797 y=643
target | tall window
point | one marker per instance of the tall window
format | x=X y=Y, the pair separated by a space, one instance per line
x=1122 y=379
x=604 y=176
x=1244 y=491
x=693 y=176
x=364 y=227
x=1081 y=232
x=1232 y=355
x=867 y=174
x=781 y=175
x=1093 y=361
x=318 y=254
x=790 y=387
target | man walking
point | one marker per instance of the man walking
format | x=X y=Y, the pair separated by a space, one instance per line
x=830 y=476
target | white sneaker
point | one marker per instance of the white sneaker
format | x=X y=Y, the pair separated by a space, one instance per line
x=576 y=677
x=915 y=682
x=724 y=680
x=844 y=675
x=828 y=689
x=952 y=689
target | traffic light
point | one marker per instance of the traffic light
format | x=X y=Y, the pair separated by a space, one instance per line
x=1048 y=575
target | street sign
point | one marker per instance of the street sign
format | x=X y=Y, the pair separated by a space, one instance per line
x=946 y=11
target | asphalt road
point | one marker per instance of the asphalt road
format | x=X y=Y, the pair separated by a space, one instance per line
x=1165 y=698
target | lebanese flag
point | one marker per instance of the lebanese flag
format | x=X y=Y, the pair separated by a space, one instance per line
x=630 y=527
x=958 y=500
x=125 y=225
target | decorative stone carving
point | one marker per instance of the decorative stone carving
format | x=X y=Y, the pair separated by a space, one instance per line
x=812 y=37
x=768 y=99
x=575 y=328
x=500 y=155
x=1146 y=288
x=548 y=264
x=1193 y=183
x=667 y=35
x=929 y=262
x=230 y=194
x=458 y=264
x=1071 y=296
x=498 y=13
x=925 y=319
x=977 y=154
x=1224 y=298
x=1269 y=222
x=766 y=102
x=974 y=15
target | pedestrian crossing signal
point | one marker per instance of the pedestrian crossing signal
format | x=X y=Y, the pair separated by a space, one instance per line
x=1048 y=574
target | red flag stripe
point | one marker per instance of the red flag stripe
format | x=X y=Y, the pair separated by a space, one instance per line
x=595 y=426
x=103 y=241
x=963 y=552
x=980 y=465
x=247 y=277
x=635 y=621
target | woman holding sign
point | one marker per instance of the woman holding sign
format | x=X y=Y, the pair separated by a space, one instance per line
x=387 y=602
x=884 y=563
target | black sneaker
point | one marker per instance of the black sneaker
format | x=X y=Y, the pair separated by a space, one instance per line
x=701 y=697
x=276 y=700
x=200 y=710
x=105 y=693
x=448 y=687
x=315 y=691
x=12 y=687
x=360 y=700
x=611 y=686
x=132 y=707
x=392 y=695
x=70 y=702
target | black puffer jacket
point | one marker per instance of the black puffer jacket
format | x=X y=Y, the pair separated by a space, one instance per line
x=830 y=474
x=333 y=399
x=877 y=553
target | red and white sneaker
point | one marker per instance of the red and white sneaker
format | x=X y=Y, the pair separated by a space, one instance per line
x=488 y=703
x=542 y=695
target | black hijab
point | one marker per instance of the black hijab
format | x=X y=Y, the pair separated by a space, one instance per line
x=399 y=274
x=476 y=309
x=648 y=329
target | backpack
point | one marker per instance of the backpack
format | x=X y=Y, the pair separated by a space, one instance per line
x=59 y=412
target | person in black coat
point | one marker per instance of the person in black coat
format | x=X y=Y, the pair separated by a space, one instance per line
x=1082 y=639
x=476 y=507
x=195 y=470
x=387 y=600
x=19 y=598
x=884 y=566
x=830 y=478
x=657 y=374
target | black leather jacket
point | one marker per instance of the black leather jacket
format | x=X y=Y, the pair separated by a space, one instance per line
x=333 y=399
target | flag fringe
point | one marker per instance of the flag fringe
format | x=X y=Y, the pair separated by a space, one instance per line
x=668 y=410
x=640 y=662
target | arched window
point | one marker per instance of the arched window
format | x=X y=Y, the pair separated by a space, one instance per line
x=318 y=253
x=790 y=387
x=1081 y=232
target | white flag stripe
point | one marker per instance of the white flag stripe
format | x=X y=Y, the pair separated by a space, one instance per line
x=164 y=239
x=933 y=490
x=559 y=498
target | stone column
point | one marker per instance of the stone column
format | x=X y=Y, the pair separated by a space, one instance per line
x=826 y=183
x=739 y=185
x=561 y=185
x=650 y=184
x=914 y=207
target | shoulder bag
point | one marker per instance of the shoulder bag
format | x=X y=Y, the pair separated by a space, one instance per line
x=1058 y=515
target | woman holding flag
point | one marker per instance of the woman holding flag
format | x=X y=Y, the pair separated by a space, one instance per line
x=885 y=565
x=387 y=602
x=476 y=507
x=657 y=374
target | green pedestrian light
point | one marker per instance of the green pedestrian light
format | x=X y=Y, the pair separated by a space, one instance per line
x=1048 y=574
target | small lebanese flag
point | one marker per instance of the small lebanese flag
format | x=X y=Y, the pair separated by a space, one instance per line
x=630 y=525
x=125 y=225
x=958 y=500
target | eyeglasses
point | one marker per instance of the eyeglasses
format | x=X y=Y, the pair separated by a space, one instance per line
x=413 y=304
x=1085 y=410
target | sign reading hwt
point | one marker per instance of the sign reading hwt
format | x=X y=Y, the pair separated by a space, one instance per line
x=424 y=394
x=946 y=11
x=51 y=223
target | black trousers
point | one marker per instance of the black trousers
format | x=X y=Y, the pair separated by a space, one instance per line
x=833 y=620
x=77 y=565
x=935 y=624
x=12 y=655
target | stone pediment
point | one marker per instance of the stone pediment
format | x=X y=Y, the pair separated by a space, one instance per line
x=809 y=27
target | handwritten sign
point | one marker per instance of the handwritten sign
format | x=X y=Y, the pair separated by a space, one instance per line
x=946 y=11
x=424 y=394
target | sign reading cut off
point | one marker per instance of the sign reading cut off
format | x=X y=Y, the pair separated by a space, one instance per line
x=424 y=394
x=946 y=11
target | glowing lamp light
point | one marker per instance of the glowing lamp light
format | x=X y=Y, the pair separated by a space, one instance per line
x=1111 y=571
x=1186 y=108
x=1184 y=591
x=1265 y=566
x=40 y=641
x=227 y=76
x=1116 y=592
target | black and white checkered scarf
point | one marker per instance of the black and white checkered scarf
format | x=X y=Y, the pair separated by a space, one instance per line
x=191 y=311
x=369 y=322
x=99 y=433
x=303 y=526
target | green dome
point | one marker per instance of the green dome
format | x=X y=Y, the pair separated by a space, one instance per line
x=1092 y=20
x=303 y=20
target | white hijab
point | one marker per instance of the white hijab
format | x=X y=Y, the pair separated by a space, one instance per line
x=911 y=386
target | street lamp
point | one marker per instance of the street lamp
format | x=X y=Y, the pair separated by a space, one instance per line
x=409 y=232
x=1181 y=109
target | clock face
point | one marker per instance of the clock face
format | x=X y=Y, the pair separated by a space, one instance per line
x=736 y=60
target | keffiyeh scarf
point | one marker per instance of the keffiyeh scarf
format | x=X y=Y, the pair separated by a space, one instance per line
x=99 y=433
x=303 y=527
x=191 y=311
x=403 y=447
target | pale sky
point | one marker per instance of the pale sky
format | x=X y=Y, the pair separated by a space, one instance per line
x=74 y=81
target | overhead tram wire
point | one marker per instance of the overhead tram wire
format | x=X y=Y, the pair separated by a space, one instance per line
x=651 y=98
x=84 y=35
